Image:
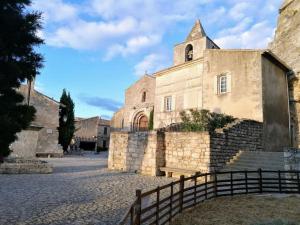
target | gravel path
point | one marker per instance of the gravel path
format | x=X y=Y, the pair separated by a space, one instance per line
x=80 y=191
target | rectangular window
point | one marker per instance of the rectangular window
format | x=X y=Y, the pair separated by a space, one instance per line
x=222 y=84
x=105 y=130
x=168 y=103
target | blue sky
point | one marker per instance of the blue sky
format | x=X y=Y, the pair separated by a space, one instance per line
x=97 y=48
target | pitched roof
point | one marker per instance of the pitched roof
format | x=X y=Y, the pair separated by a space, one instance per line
x=196 y=32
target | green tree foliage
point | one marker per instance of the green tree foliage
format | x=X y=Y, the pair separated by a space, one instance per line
x=203 y=120
x=66 y=120
x=150 y=125
x=18 y=62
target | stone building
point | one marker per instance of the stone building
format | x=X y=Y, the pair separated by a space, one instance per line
x=139 y=102
x=92 y=133
x=41 y=138
x=286 y=45
x=236 y=82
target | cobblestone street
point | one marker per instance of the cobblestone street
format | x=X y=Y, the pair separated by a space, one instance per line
x=80 y=191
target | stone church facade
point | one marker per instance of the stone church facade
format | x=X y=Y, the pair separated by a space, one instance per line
x=236 y=82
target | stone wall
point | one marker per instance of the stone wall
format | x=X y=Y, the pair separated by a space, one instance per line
x=241 y=135
x=188 y=150
x=26 y=144
x=286 y=45
x=42 y=136
x=146 y=152
x=140 y=152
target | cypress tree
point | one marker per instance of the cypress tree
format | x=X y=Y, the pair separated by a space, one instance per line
x=18 y=62
x=66 y=120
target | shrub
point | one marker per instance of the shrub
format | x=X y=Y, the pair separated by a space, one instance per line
x=203 y=120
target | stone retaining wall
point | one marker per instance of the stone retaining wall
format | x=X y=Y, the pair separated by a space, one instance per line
x=146 y=152
x=141 y=152
x=241 y=135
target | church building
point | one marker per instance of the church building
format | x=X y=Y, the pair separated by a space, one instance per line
x=243 y=83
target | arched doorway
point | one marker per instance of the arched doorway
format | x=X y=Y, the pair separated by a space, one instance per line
x=140 y=122
x=143 y=123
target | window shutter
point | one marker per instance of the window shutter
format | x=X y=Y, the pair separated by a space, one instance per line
x=228 y=82
x=216 y=84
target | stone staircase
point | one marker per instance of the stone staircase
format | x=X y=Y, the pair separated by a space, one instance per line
x=247 y=160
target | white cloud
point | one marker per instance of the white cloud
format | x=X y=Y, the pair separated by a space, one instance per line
x=151 y=63
x=132 y=46
x=258 y=36
x=121 y=28
x=90 y=35
x=239 y=10
x=118 y=27
x=55 y=10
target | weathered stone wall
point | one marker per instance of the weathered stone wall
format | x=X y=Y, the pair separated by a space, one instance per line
x=188 y=150
x=26 y=144
x=140 y=152
x=241 y=135
x=146 y=152
x=243 y=98
x=276 y=125
x=87 y=128
x=286 y=45
x=45 y=139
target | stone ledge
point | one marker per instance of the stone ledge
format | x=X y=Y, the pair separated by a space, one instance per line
x=25 y=166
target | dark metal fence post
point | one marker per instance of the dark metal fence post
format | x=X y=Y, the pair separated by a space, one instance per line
x=181 y=193
x=279 y=181
x=260 y=180
x=157 y=205
x=138 y=209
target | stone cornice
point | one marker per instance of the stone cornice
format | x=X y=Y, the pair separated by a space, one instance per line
x=177 y=67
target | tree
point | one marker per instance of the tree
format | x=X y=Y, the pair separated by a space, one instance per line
x=18 y=62
x=150 y=125
x=66 y=120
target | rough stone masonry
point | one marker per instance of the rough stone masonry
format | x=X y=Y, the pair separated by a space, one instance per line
x=146 y=152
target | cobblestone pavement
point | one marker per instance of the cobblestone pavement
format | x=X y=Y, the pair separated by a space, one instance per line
x=80 y=191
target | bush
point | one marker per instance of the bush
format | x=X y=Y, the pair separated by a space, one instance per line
x=203 y=120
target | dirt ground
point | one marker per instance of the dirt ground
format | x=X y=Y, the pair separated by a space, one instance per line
x=243 y=210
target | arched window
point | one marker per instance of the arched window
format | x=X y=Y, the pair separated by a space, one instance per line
x=122 y=124
x=144 y=96
x=189 y=53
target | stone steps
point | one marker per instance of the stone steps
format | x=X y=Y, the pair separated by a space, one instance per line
x=255 y=160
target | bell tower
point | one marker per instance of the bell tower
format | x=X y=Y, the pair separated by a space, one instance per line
x=193 y=46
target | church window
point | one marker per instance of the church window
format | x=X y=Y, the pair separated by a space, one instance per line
x=168 y=103
x=222 y=84
x=189 y=53
x=144 y=96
